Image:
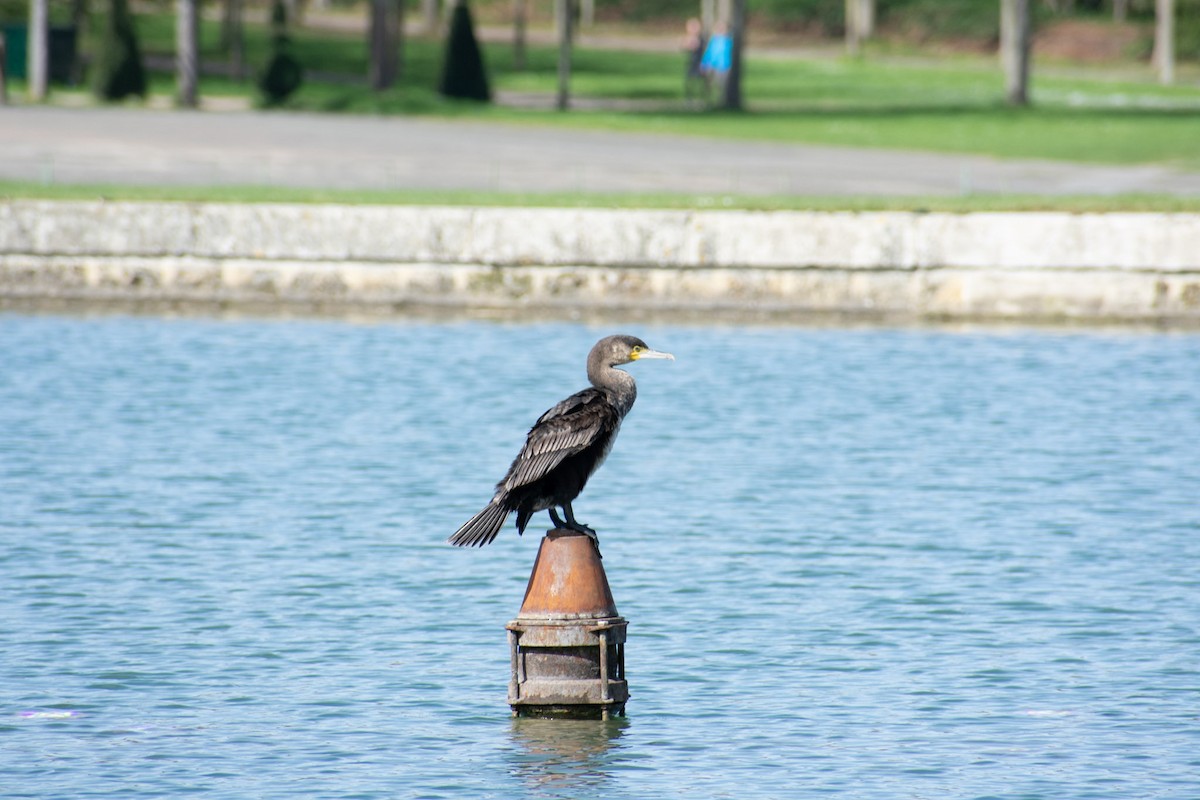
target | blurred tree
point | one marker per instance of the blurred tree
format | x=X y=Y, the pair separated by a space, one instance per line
x=732 y=100
x=463 y=71
x=187 y=52
x=562 y=23
x=1015 y=40
x=39 y=49
x=520 y=18
x=860 y=24
x=233 y=39
x=429 y=16
x=283 y=74
x=385 y=42
x=119 y=72
x=1164 y=40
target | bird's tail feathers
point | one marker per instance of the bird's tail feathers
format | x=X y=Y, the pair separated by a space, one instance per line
x=480 y=529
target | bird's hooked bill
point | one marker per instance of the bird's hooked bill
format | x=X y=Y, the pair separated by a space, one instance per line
x=638 y=355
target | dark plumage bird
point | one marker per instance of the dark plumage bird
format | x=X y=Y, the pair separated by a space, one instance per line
x=564 y=447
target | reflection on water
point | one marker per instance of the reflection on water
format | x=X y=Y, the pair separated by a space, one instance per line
x=566 y=757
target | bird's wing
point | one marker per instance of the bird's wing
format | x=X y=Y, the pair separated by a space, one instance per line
x=571 y=426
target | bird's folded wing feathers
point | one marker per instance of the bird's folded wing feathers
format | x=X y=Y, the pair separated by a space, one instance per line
x=568 y=428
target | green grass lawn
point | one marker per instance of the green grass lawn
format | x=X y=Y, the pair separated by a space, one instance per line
x=946 y=104
x=10 y=190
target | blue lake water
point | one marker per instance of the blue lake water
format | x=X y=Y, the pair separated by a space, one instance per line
x=856 y=563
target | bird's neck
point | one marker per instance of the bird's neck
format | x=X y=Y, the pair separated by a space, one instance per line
x=617 y=384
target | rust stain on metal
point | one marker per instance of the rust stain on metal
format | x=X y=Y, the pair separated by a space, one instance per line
x=568 y=581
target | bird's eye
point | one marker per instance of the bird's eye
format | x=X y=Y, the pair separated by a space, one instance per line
x=637 y=348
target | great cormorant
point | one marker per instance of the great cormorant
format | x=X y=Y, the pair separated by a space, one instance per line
x=564 y=447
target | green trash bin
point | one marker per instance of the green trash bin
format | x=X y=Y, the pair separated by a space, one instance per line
x=16 y=52
x=63 y=47
x=62 y=54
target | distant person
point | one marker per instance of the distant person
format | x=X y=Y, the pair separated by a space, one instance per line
x=717 y=59
x=694 y=82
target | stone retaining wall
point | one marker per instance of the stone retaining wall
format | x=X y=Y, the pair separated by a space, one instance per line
x=1034 y=266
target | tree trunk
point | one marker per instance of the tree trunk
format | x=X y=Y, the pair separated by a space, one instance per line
x=39 y=49
x=1015 y=40
x=233 y=38
x=1120 y=10
x=866 y=18
x=377 y=73
x=520 y=12
x=562 y=13
x=398 y=45
x=853 y=45
x=732 y=101
x=385 y=43
x=860 y=24
x=429 y=16
x=187 y=51
x=1164 y=40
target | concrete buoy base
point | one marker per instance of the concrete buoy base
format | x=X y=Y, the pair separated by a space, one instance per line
x=567 y=644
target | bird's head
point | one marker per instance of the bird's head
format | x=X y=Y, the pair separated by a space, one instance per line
x=622 y=349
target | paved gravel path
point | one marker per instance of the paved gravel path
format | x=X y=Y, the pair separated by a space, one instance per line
x=128 y=146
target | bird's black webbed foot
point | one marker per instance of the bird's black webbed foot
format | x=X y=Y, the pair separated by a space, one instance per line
x=572 y=524
x=576 y=525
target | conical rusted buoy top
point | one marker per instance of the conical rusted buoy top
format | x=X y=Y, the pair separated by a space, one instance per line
x=568 y=642
x=568 y=581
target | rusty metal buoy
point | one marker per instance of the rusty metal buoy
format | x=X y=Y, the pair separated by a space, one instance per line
x=567 y=644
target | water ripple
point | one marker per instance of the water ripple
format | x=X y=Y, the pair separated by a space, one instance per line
x=857 y=564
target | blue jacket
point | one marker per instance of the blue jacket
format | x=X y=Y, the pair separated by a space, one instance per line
x=718 y=55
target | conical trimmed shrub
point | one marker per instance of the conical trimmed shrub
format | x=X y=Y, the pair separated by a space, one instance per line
x=283 y=73
x=282 y=76
x=119 y=71
x=463 y=72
